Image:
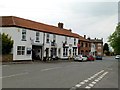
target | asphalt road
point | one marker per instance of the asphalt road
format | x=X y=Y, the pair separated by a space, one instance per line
x=72 y=75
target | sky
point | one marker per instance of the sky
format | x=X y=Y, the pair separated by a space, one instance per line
x=93 y=18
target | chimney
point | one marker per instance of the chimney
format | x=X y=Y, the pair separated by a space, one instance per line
x=85 y=36
x=70 y=30
x=60 y=25
x=88 y=38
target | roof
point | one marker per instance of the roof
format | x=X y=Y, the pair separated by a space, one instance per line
x=96 y=40
x=9 y=21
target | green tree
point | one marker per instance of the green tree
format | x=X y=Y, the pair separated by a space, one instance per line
x=114 y=39
x=105 y=47
x=7 y=43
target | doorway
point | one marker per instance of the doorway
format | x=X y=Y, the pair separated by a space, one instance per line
x=36 y=52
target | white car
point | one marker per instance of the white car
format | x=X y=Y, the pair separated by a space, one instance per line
x=80 y=58
x=117 y=57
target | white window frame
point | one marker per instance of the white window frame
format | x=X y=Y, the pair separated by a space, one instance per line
x=65 y=52
x=24 y=35
x=74 y=41
x=37 y=36
x=47 y=38
x=20 y=50
x=74 y=51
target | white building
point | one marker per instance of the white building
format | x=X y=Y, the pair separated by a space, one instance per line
x=32 y=39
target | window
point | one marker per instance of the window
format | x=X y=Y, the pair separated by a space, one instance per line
x=81 y=44
x=99 y=53
x=54 y=37
x=99 y=47
x=37 y=36
x=89 y=45
x=20 y=50
x=47 y=38
x=23 y=35
x=86 y=45
x=99 y=44
x=74 y=41
x=74 y=51
x=65 y=52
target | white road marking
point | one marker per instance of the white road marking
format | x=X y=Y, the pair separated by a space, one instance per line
x=50 y=68
x=95 y=75
x=86 y=80
x=89 y=78
x=91 y=85
x=5 y=65
x=78 y=85
x=96 y=80
x=82 y=82
x=93 y=82
x=87 y=87
x=14 y=75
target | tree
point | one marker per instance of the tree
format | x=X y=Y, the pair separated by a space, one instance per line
x=114 y=39
x=7 y=43
x=105 y=47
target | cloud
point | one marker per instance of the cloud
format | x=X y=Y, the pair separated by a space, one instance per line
x=95 y=18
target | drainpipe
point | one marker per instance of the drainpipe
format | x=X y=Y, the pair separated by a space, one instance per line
x=43 y=45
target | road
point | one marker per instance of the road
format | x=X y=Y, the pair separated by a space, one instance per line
x=72 y=75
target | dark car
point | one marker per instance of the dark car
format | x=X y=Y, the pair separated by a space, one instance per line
x=90 y=58
x=98 y=57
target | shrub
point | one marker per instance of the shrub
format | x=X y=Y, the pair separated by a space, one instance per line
x=7 y=44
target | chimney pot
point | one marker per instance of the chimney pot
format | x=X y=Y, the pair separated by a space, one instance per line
x=60 y=25
x=85 y=36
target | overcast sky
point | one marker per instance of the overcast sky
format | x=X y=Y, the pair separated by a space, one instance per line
x=94 y=18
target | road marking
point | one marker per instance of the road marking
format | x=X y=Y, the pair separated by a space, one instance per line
x=50 y=68
x=94 y=82
x=5 y=65
x=20 y=74
x=86 y=80
x=78 y=85
x=87 y=87
x=82 y=82
x=90 y=85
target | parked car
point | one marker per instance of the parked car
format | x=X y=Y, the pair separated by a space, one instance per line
x=98 y=57
x=117 y=57
x=90 y=58
x=80 y=58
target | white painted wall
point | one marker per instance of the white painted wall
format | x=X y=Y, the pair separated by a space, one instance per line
x=16 y=35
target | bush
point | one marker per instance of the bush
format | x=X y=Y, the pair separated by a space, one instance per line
x=7 y=44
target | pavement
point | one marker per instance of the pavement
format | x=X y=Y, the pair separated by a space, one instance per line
x=71 y=75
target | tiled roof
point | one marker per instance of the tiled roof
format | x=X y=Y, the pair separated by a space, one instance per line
x=24 y=23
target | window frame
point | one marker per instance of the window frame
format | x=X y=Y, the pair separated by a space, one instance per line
x=74 y=41
x=20 y=50
x=24 y=32
x=65 y=52
x=37 y=36
x=47 y=38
